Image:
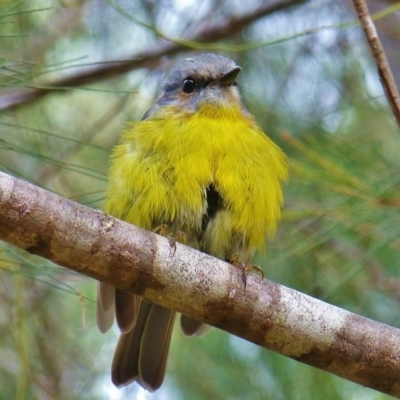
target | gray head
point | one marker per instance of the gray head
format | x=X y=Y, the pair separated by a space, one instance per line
x=204 y=79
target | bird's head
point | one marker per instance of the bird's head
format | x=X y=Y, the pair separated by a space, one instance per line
x=204 y=81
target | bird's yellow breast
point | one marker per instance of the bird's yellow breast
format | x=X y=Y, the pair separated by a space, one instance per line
x=163 y=166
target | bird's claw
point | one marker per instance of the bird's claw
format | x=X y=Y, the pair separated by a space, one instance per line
x=180 y=236
x=246 y=268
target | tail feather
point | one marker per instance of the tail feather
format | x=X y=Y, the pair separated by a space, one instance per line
x=125 y=310
x=105 y=306
x=141 y=354
x=192 y=327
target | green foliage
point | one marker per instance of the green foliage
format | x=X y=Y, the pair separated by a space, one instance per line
x=317 y=95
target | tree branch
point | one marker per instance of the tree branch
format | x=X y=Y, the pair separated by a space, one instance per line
x=378 y=52
x=11 y=99
x=200 y=286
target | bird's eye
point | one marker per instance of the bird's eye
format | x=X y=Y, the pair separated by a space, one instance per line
x=188 y=85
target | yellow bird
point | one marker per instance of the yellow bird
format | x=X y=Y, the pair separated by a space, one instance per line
x=198 y=163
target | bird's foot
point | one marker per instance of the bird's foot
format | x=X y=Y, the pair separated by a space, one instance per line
x=179 y=236
x=246 y=268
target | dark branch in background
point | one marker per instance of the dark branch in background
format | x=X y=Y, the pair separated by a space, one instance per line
x=385 y=73
x=200 y=286
x=147 y=59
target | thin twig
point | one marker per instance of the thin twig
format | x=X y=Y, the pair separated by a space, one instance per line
x=385 y=73
x=148 y=59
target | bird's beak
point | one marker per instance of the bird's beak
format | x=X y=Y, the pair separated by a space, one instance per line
x=229 y=77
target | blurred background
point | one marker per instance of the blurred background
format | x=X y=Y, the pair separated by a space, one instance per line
x=309 y=79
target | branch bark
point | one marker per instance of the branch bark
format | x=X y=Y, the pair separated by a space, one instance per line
x=200 y=286
x=378 y=52
x=12 y=99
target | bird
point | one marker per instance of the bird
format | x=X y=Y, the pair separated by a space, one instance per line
x=197 y=163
